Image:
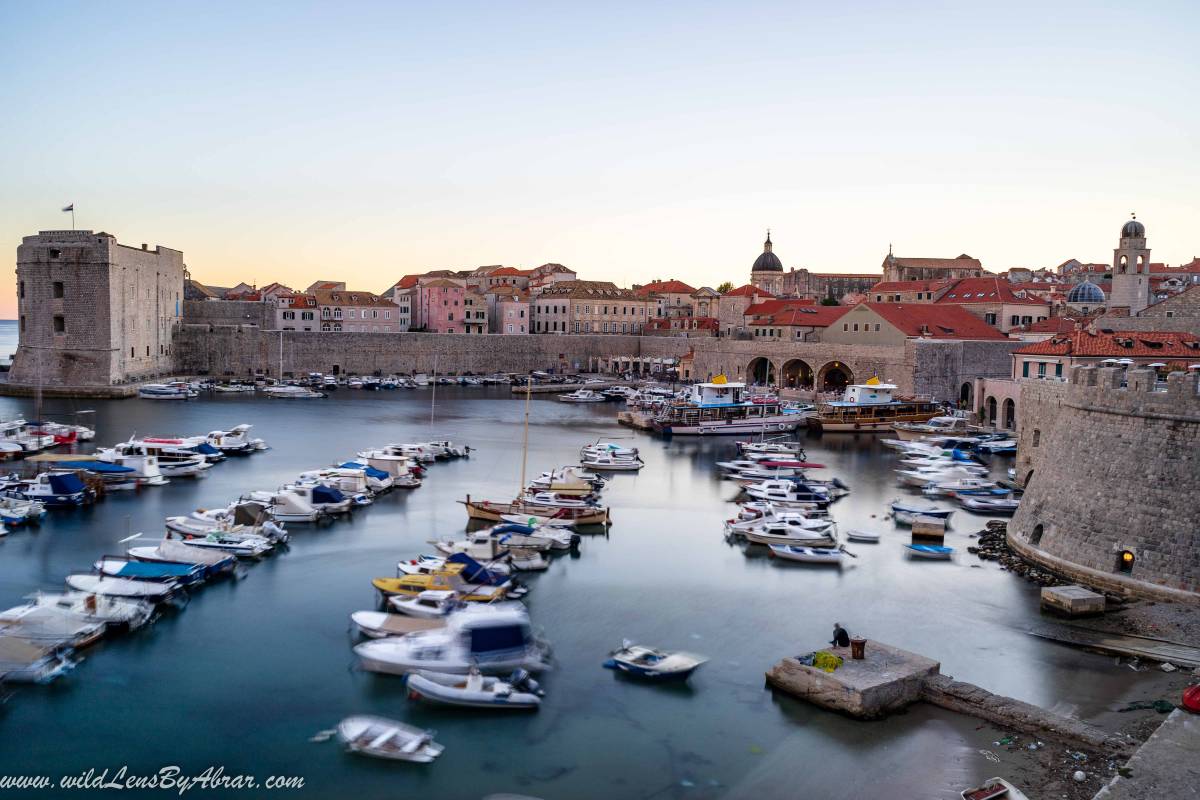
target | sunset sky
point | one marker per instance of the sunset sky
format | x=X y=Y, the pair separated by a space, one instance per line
x=363 y=141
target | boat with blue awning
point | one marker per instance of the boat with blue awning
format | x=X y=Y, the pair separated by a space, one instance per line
x=130 y=569
x=51 y=488
x=722 y=407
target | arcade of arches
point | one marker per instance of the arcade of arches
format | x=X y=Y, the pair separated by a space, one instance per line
x=795 y=373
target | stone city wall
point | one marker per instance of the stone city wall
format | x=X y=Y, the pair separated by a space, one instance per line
x=229 y=312
x=1110 y=465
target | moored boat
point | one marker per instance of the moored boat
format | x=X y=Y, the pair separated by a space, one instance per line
x=651 y=664
x=871 y=407
x=385 y=738
x=931 y=551
x=807 y=555
x=519 y=691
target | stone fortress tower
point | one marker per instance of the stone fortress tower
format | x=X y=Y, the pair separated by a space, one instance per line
x=1131 y=269
x=94 y=312
x=1081 y=516
x=767 y=272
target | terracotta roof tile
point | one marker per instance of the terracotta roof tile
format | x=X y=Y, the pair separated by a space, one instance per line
x=1117 y=344
x=935 y=321
x=747 y=291
x=807 y=317
x=665 y=287
x=986 y=290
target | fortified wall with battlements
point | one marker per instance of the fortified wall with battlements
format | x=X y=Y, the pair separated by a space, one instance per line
x=1111 y=466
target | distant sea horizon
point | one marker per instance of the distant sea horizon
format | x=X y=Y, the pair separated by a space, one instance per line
x=8 y=340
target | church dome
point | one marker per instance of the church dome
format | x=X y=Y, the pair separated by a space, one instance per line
x=1086 y=293
x=768 y=261
x=1133 y=230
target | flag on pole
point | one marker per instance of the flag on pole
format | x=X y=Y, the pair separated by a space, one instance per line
x=69 y=208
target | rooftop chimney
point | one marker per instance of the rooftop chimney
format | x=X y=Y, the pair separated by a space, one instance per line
x=145 y=246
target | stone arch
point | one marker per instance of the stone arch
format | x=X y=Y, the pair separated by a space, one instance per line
x=1123 y=265
x=796 y=374
x=834 y=377
x=761 y=371
x=990 y=410
x=966 y=395
x=1010 y=414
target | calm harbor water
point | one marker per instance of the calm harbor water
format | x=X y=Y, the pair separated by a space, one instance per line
x=250 y=669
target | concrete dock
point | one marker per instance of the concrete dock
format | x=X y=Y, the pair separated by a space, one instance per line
x=1167 y=765
x=887 y=680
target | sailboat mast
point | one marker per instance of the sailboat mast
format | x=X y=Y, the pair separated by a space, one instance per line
x=525 y=435
x=281 y=355
x=433 y=397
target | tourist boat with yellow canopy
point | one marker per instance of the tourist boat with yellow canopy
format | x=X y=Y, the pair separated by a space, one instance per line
x=722 y=407
x=871 y=407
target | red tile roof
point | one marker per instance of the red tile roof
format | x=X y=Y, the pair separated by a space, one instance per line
x=986 y=290
x=774 y=306
x=408 y=281
x=935 y=321
x=910 y=286
x=1051 y=325
x=1117 y=344
x=806 y=317
x=505 y=271
x=1191 y=268
x=748 y=290
x=665 y=287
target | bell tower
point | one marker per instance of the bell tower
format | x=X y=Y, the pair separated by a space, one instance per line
x=1131 y=269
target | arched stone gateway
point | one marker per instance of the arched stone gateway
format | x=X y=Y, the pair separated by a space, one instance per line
x=797 y=374
x=761 y=372
x=966 y=395
x=990 y=413
x=1010 y=414
x=834 y=377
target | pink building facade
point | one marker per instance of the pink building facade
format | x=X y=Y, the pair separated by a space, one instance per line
x=439 y=306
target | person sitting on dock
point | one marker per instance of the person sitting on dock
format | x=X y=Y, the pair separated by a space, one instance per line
x=840 y=637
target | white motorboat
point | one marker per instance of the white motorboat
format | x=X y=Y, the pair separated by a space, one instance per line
x=607 y=449
x=788 y=532
x=429 y=604
x=20 y=436
x=773 y=449
x=376 y=480
x=164 y=391
x=555 y=500
x=122 y=587
x=414 y=451
x=386 y=738
x=496 y=639
x=790 y=518
x=288 y=392
x=475 y=690
x=235 y=441
x=989 y=505
x=914 y=431
x=48 y=488
x=349 y=481
x=807 y=555
x=427 y=565
x=244 y=517
x=650 y=664
x=575 y=478
x=147 y=466
x=953 y=487
x=444 y=448
x=26 y=661
x=904 y=512
x=380 y=624
x=524 y=559
x=609 y=463
x=859 y=535
x=179 y=552
x=90 y=607
x=286 y=506
x=535 y=520
x=238 y=544
x=753 y=509
x=994 y=789
x=788 y=492
x=14 y=511
x=582 y=396
x=49 y=625
x=479 y=545
x=927 y=475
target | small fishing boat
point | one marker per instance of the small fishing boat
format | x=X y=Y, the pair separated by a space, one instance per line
x=990 y=505
x=288 y=506
x=659 y=665
x=491 y=511
x=429 y=604
x=286 y=392
x=999 y=446
x=53 y=489
x=807 y=555
x=380 y=624
x=157 y=571
x=953 y=487
x=582 y=396
x=905 y=512
x=524 y=559
x=238 y=544
x=475 y=690
x=122 y=587
x=932 y=551
x=610 y=463
x=497 y=639
x=783 y=527
x=15 y=512
x=235 y=441
x=385 y=738
x=172 y=551
x=25 y=661
x=540 y=521
x=607 y=449
x=994 y=789
x=163 y=391
x=859 y=535
x=115 y=612
x=49 y=625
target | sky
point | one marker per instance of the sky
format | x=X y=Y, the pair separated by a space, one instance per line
x=362 y=141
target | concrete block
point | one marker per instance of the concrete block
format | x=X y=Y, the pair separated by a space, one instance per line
x=1072 y=601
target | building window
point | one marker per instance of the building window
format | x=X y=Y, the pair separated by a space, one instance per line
x=1058 y=370
x=147 y=351
x=990 y=319
x=1024 y=369
x=1035 y=538
x=856 y=327
x=877 y=327
x=55 y=253
x=22 y=322
x=1013 y=320
x=56 y=289
x=306 y=315
x=1037 y=437
x=450 y=316
x=60 y=325
x=845 y=326
x=1041 y=369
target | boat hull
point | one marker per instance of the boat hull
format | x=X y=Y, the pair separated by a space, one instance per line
x=774 y=424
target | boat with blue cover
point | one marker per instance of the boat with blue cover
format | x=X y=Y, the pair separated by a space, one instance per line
x=905 y=512
x=132 y=569
x=51 y=488
x=650 y=664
